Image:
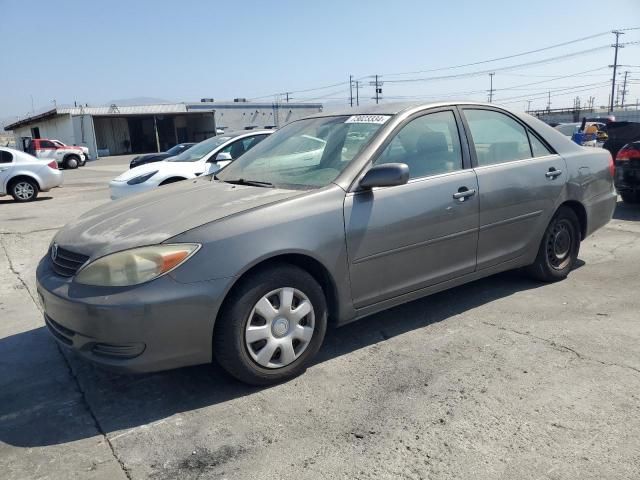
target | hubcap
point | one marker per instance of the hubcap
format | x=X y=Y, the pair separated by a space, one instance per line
x=24 y=191
x=279 y=328
x=559 y=244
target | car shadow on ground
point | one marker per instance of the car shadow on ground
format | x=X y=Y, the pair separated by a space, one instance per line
x=627 y=211
x=11 y=200
x=40 y=403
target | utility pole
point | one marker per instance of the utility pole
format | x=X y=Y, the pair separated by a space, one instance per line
x=624 y=88
x=287 y=96
x=549 y=102
x=528 y=106
x=357 y=93
x=617 y=45
x=351 y=90
x=491 y=87
x=377 y=91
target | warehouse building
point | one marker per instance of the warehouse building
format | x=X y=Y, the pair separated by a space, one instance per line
x=119 y=130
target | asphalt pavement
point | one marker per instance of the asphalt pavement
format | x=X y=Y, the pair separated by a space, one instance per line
x=501 y=378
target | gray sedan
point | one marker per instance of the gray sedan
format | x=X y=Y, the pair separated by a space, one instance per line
x=252 y=265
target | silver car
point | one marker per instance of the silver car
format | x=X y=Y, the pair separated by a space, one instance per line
x=23 y=176
x=250 y=266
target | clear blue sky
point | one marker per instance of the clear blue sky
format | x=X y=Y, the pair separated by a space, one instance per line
x=96 y=51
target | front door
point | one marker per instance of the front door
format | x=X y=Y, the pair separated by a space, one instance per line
x=404 y=238
x=520 y=180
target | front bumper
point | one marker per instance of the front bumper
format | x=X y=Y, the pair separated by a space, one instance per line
x=159 y=325
x=123 y=189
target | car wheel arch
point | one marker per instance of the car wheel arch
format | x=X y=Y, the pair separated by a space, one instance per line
x=22 y=176
x=306 y=262
x=169 y=180
x=580 y=211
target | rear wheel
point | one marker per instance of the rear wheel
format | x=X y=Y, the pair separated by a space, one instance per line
x=71 y=161
x=559 y=248
x=271 y=326
x=24 y=190
x=630 y=197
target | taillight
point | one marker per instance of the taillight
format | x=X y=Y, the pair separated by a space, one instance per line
x=53 y=165
x=627 y=154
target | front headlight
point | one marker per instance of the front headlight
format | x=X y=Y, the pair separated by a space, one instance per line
x=135 y=266
x=141 y=178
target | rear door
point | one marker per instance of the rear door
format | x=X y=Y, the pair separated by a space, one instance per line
x=520 y=181
x=407 y=237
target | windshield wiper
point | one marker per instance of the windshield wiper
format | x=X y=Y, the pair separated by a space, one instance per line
x=253 y=183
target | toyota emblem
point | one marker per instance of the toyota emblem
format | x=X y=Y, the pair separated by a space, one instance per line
x=54 y=251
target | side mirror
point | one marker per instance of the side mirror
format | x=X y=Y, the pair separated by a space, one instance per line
x=224 y=156
x=386 y=175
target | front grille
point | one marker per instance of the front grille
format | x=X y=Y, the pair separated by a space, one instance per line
x=66 y=263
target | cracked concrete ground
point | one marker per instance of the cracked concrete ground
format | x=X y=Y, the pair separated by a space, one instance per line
x=502 y=378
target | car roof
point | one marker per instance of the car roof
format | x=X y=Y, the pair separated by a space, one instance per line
x=237 y=133
x=393 y=108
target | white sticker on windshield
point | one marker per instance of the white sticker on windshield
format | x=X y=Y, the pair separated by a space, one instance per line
x=379 y=119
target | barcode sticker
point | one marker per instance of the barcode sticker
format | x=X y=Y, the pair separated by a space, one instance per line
x=379 y=119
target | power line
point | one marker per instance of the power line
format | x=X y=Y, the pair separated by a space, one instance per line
x=529 y=52
x=510 y=67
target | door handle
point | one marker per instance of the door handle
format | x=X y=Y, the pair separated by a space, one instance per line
x=464 y=192
x=553 y=173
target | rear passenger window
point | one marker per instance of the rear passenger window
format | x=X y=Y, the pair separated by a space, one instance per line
x=429 y=145
x=5 y=157
x=497 y=138
x=538 y=148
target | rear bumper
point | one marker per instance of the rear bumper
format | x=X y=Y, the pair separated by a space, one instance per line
x=159 y=325
x=50 y=179
x=627 y=179
x=600 y=210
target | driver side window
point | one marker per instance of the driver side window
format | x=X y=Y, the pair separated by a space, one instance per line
x=429 y=145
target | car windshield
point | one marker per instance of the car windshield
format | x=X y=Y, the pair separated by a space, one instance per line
x=176 y=149
x=308 y=153
x=199 y=150
x=567 y=129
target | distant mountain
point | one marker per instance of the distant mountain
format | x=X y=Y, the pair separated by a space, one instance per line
x=123 y=102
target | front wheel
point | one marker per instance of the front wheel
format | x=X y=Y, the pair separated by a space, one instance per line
x=271 y=326
x=559 y=248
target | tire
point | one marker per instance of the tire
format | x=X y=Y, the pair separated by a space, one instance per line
x=630 y=197
x=281 y=345
x=559 y=247
x=24 y=190
x=71 y=162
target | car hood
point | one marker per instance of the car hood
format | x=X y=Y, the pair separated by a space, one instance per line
x=156 y=216
x=151 y=156
x=162 y=166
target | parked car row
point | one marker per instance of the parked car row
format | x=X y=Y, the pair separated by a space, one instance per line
x=327 y=220
x=204 y=158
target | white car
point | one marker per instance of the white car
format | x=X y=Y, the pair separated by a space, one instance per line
x=203 y=158
x=22 y=175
